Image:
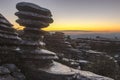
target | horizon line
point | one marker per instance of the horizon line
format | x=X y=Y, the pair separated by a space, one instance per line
x=78 y=31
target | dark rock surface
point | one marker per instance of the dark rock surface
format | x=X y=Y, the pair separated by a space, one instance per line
x=32 y=15
x=9 y=51
x=4 y=70
x=101 y=64
x=37 y=23
x=32 y=45
x=58 y=71
x=10 y=72
x=61 y=46
x=26 y=6
x=9 y=41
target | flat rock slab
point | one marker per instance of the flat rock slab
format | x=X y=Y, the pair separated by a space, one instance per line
x=58 y=71
x=25 y=6
x=32 y=23
x=33 y=16
x=92 y=76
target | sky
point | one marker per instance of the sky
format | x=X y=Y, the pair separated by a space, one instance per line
x=88 y=15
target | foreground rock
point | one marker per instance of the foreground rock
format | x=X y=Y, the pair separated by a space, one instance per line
x=58 y=71
x=101 y=63
x=9 y=42
x=9 y=51
x=10 y=72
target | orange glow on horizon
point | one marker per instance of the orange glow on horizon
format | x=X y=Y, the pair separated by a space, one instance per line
x=84 y=27
x=88 y=27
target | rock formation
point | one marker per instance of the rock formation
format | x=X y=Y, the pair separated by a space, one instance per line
x=101 y=64
x=88 y=60
x=32 y=45
x=38 y=63
x=38 y=60
x=61 y=46
x=8 y=41
x=9 y=51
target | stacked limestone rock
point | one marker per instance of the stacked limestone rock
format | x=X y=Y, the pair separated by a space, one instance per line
x=34 y=18
x=58 y=38
x=66 y=53
x=9 y=41
x=9 y=51
x=37 y=60
x=61 y=46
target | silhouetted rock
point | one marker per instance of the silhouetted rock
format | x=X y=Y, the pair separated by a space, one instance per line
x=32 y=39
x=9 y=41
x=26 y=6
x=32 y=15
x=9 y=51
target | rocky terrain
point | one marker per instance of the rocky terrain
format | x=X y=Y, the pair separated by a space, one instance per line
x=26 y=57
x=79 y=54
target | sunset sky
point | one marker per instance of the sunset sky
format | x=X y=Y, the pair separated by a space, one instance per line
x=88 y=15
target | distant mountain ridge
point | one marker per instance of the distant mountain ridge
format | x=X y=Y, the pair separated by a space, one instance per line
x=89 y=34
x=69 y=31
x=94 y=34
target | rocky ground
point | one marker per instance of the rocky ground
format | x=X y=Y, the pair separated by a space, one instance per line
x=10 y=72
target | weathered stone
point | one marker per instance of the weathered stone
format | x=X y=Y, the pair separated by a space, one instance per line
x=25 y=6
x=34 y=30
x=10 y=72
x=61 y=46
x=33 y=16
x=32 y=37
x=4 y=21
x=58 y=71
x=32 y=23
x=38 y=63
x=8 y=41
x=4 y=70
x=39 y=55
x=101 y=63
x=18 y=75
x=6 y=28
x=11 y=67
x=8 y=33
x=7 y=77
